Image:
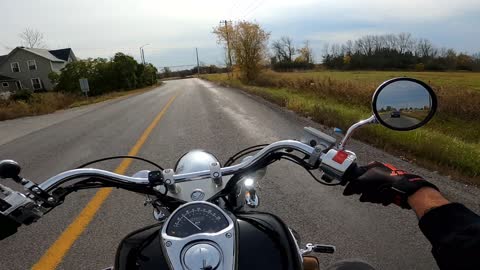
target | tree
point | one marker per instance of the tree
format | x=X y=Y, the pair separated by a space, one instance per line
x=306 y=52
x=167 y=72
x=32 y=38
x=284 y=49
x=249 y=46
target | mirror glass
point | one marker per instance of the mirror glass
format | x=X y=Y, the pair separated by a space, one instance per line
x=404 y=104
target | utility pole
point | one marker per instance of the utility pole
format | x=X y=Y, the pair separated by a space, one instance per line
x=142 y=55
x=198 y=63
x=228 y=45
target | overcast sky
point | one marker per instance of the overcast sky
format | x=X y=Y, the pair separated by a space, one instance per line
x=94 y=28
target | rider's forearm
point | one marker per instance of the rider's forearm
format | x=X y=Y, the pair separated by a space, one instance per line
x=426 y=199
x=452 y=229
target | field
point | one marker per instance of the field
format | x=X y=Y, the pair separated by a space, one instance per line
x=461 y=80
x=450 y=143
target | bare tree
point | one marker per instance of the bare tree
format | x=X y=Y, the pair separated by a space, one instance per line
x=284 y=49
x=405 y=42
x=32 y=38
x=425 y=48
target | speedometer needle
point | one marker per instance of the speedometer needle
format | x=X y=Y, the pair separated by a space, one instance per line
x=192 y=223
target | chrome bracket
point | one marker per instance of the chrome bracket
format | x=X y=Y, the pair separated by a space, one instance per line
x=216 y=173
x=315 y=156
x=170 y=181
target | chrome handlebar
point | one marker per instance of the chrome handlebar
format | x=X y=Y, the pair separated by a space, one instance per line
x=179 y=178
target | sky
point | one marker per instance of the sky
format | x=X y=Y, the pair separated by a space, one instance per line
x=403 y=94
x=173 y=29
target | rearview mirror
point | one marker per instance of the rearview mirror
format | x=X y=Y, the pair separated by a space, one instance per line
x=404 y=104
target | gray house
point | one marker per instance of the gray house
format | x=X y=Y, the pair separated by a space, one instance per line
x=28 y=68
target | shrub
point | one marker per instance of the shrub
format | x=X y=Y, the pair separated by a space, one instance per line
x=24 y=95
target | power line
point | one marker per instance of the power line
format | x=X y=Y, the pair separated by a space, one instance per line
x=246 y=11
x=256 y=7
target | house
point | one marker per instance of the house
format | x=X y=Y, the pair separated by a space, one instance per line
x=28 y=68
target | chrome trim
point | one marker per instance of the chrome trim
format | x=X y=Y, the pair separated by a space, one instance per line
x=371 y=120
x=224 y=240
x=179 y=178
x=89 y=172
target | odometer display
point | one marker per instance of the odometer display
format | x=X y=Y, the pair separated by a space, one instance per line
x=194 y=219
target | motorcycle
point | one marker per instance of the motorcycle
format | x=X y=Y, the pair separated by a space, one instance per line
x=202 y=208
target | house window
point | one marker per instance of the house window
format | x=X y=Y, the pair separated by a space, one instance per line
x=15 y=67
x=36 y=83
x=19 y=85
x=5 y=84
x=32 y=65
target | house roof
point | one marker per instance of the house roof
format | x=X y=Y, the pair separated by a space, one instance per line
x=43 y=53
x=6 y=78
x=62 y=54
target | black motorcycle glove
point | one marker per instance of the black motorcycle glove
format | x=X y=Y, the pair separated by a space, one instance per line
x=385 y=184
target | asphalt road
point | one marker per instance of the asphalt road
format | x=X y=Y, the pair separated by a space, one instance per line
x=400 y=122
x=220 y=120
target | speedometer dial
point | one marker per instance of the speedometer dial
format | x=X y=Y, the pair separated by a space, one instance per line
x=194 y=219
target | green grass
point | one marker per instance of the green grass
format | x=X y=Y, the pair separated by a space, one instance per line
x=440 y=144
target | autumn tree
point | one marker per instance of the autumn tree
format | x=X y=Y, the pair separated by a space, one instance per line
x=32 y=38
x=306 y=53
x=248 y=42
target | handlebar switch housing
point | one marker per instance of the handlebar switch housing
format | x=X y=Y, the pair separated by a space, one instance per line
x=336 y=162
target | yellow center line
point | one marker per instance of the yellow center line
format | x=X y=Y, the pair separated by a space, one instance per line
x=54 y=255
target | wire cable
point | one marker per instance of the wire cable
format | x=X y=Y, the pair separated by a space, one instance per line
x=118 y=157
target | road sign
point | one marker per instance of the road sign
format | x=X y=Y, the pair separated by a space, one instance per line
x=84 y=85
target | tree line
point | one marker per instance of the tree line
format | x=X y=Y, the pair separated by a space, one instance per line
x=248 y=43
x=396 y=51
x=122 y=72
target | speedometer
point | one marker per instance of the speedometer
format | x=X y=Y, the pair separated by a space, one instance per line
x=196 y=218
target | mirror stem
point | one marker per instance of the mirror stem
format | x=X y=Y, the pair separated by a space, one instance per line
x=370 y=120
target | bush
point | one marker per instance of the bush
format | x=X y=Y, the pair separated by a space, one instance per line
x=24 y=95
x=121 y=72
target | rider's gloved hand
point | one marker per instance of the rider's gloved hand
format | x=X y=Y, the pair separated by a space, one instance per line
x=385 y=184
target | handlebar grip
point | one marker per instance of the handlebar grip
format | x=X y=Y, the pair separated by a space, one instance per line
x=8 y=226
x=352 y=173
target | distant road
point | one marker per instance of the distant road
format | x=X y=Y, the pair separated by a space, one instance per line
x=402 y=121
x=222 y=121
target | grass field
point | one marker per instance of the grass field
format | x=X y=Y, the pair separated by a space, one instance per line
x=449 y=143
x=460 y=80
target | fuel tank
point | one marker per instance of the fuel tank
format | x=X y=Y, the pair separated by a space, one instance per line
x=264 y=242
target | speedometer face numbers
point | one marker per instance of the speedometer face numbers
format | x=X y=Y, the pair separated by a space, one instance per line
x=194 y=219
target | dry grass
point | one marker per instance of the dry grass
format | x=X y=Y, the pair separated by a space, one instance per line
x=44 y=103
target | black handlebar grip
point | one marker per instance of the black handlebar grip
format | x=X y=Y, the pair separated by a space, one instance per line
x=8 y=226
x=352 y=173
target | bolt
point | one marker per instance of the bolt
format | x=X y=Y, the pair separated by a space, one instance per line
x=317 y=149
x=167 y=170
x=168 y=243
x=168 y=181
x=214 y=164
x=51 y=199
x=228 y=235
x=216 y=174
x=36 y=190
